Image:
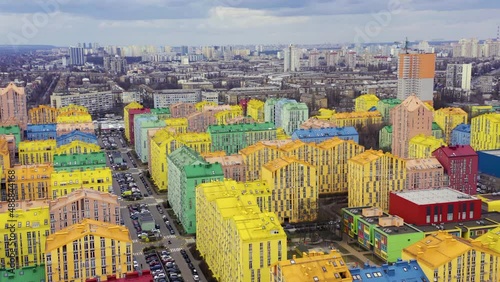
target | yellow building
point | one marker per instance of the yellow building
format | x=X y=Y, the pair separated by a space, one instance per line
x=365 y=102
x=448 y=119
x=213 y=154
x=200 y=106
x=281 y=134
x=294 y=186
x=485 y=132
x=372 y=175
x=42 y=114
x=79 y=117
x=5 y=161
x=479 y=110
x=255 y=109
x=72 y=110
x=421 y=146
x=223 y=117
x=444 y=257
x=165 y=142
x=77 y=147
x=63 y=182
x=258 y=154
x=357 y=118
x=30 y=221
x=126 y=117
x=491 y=202
x=37 y=152
x=315 y=265
x=179 y=125
x=89 y=249
x=325 y=114
x=491 y=240
x=32 y=181
x=238 y=241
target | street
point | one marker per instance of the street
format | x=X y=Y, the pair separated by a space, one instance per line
x=177 y=242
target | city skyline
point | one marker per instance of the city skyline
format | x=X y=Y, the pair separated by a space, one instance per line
x=227 y=22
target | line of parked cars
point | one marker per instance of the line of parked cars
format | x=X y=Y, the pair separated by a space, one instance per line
x=128 y=187
x=108 y=143
x=146 y=185
x=131 y=159
x=135 y=212
x=163 y=266
x=190 y=265
x=167 y=222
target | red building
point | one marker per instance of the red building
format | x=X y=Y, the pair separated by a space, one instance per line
x=135 y=276
x=434 y=206
x=460 y=163
x=131 y=114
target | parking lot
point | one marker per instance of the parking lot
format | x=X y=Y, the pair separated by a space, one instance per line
x=143 y=199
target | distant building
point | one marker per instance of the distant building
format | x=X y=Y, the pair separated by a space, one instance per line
x=96 y=102
x=13 y=106
x=76 y=56
x=458 y=76
x=292 y=59
x=416 y=76
x=165 y=98
x=115 y=65
x=232 y=138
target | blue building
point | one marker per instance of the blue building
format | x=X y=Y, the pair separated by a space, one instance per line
x=41 y=131
x=489 y=162
x=399 y=271
x=319 y=135
x=460 y=135
x=76 y=135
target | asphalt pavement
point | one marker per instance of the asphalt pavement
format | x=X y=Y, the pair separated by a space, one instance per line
x=177 y=242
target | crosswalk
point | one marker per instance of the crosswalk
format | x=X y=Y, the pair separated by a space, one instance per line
x=170 y=236
x=137 y=254
x=175 y=250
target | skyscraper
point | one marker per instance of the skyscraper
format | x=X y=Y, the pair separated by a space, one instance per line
x=416 y=75
x=76 y=57
x=13 y=105
x=292 y=59
x=458 y=76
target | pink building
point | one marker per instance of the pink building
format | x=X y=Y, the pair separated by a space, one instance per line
x=65 y=128
x=199 y=121
x=182 y=110
x=409 y=119
x=240 y=120
x=233 y=166
x=425 y=174
x=13 y=105
x=83 y=203
x=314 y=123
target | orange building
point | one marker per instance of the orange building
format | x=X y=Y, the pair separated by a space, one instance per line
x=42 y=114
x=32 y=181
x=416 y=76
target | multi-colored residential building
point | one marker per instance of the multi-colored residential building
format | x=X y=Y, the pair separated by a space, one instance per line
x=73 y=118
x=76 y=136
x=384 y=106
x=79 y=162
x=65 y=182
x=319 y=135
x=365 y=102
x=255 y=156
x=37 y=152
x=233 y=166
x=89 y=249
x=132 y=113
x=232 y=138
x=460 y=135
x=81 y=204
x=437 y=131
x=13 y=130
x=479 y=110
x=223 y=117
x=485 y=132
x=42 y=114
x=294 y=186
x=422 y=146
x=41 y=131
x=13 y=105
x=127 y=119
x=461 y=165
x=285 y=113
x=161 y=113
x=325 y=267
x=255 y=109
x=371 y=176
x=237 y=237
x=325 y=114
x=315 y=122
x=77 y=147
x=30 y=222
x=385 y=138
x=182 y=110
x=409 y=119
x=357 y=119
x=6 y=161
x=425 y=173
x=186 y=170
x=448 y=119
x=32 y=181
x=444 y=257
x=199 y=121
x=179 y=125
x=142 y=124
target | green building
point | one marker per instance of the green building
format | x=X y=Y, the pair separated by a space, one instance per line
x=25 y=274
x=379 y=232
x=384 y=107
x=292 y=115
x=269 y=109
x=186 y=170
x=12 y=130
x=234 y=137
x=436 y=130
x=385 y=138
x=161 y=113
x=79 y=162
x=143 y=123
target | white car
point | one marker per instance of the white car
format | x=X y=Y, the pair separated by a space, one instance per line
x=159 y=276
x=196 y=278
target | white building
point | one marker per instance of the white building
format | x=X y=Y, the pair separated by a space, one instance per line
x=76 y=56
x=94 y=101
x=467 y=48
x=314 y=59
x=292 y=59
x=165 y=98
x=210 y=96
x=458 y=76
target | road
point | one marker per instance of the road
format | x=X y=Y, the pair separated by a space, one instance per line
x=177 y=242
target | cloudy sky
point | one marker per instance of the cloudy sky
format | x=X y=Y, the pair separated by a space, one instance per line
x=220 y=22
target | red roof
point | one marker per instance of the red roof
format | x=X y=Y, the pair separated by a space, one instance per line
x=139 y=111
x=130 y=277
x=458 y=151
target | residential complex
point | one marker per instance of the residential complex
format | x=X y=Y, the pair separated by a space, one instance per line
x=384 y=106
x=485 y=132
x=232 y=138
x=255 y=109
x=421 y=146
x=425 y=173
x=448 y=119
x=42 y=114
x=365 y=103
x=460 y=135
x=319 y=135
x=33 y=182
x=37 y=152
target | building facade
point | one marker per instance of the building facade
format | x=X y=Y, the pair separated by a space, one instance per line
x=37 y=152
x=485 y=132
x=166 y=98
x=32 y=182
x=425 y=173
x=460 y=135
x=448 y=119
x=79 y=162
x=322 y=134
x=255 y=109
x=384 y=106
x=41 y=131
x=458 y=76
x=421 y=146
x=461 y=165
x=365 y=102
x=233 y=166
x=42 y=114
x=64 y=182
x=232 y=138
x=76 y=136
x=416 y=76
x=13 y=105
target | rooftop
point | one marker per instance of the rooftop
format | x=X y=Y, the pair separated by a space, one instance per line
x=422 y=164
x=226 y=160
x=204 y=170
x=241 y=127
x=492 y=152
x=491 y=240
x=427 y=141
x=87 y=227
x=282 y=162
x=324 y=132
x=83 y=194
x=434 y=196
x=399 y=271
x=184 y=156
x=413 y=103
x=24 y=205
x=391 y=101
x=368 y=156
x=450 y=111
x=463 y=128
x=316 y=123
x=458 y=151
x=436 y=126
